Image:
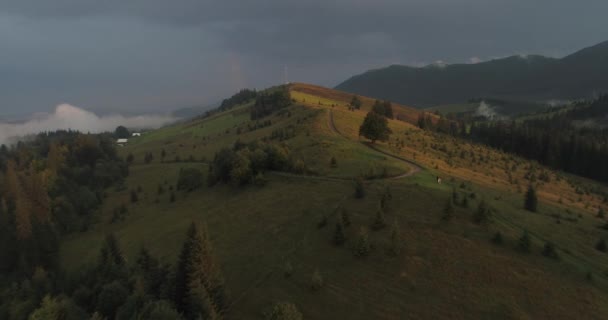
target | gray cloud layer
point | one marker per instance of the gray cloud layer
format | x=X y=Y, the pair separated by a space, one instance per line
x=70 y=117
x=156 y=54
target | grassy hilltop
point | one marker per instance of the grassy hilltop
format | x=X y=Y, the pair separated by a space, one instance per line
x=448 y=268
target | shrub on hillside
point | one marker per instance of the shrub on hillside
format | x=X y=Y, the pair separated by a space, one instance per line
x=448 y=211
x=359 y=189
x=549 y=251
x=497 y=238
x=316 y=282
x=363 y=246
x=525 y=242
x=284 y=311
x=339 y=235
x=601 y=245
x=379 y=221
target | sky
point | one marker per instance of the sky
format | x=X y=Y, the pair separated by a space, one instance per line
x=142 y=56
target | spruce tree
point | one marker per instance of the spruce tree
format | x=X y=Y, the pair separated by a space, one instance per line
x=379 y=221
x=549 y=251
x=345 y=217
x=316 y=281
x=395 y=243
x=356 y=103
x=363 y=247
x=531 y=200
x=111 y=253
x=359 y=188
x=482 y=214
x=384 y=202
x=497 y=238
x=525 y=242
x=333 y=162
x=448 y=211
x=198 y=278
x=601 y=245
x=339 y=236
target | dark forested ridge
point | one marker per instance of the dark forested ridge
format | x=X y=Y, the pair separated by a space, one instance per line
x=555 y=141
x=574 y=139
x=532 y=77
x=269 y=102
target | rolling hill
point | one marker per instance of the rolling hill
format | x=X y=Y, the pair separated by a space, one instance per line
x=533 y=78
x=447 y=269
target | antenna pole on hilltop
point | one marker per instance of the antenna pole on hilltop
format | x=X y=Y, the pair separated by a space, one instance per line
x=285 y=78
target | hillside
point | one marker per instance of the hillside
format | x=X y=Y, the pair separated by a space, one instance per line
x=535 y=78
x=412 y=246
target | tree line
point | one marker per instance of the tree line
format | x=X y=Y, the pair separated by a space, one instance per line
x=572 y=140
x=113 y=288
x=269 y=102
x=49 y=187
x=556 y=141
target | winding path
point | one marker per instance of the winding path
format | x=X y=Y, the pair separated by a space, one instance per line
x=415 y=168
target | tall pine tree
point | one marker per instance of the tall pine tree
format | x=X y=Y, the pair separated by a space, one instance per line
x=199 y=287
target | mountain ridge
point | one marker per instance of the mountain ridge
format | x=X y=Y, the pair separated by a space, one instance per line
x=581 y=74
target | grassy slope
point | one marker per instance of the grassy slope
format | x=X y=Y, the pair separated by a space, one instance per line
x=448 y=270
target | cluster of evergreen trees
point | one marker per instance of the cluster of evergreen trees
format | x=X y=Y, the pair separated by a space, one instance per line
x=573 y=140
x=384 y=108
x=555 y=142
x=245 y=163
x=267 y=103
x=49 y=187
x=243 y=96
x=114 y=289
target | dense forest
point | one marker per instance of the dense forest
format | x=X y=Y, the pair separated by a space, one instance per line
x=556 y=141
x=48 y=188
x=51 y=186
x=573 y=139
x=241 y=97
x=267 y=103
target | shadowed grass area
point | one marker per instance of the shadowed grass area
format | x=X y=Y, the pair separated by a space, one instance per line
x=446 y=270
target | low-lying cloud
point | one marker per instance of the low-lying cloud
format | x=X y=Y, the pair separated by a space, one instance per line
x=487 y=111
x=70 y=117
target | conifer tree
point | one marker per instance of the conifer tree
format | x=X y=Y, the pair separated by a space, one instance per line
x=601 y=245
x=199 y=285
x=395 y=243
x=363 y=247
x=482 y=214
x=345 y=217
x=448 y=211
x=316 y=280
x=111 y=255
x=339 y=236
x=359 y=188
x=549 y=251
x=531 y=200
x=525 y=242
x=379 y=220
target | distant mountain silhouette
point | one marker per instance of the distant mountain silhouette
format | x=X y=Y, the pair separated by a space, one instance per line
x=532 y=77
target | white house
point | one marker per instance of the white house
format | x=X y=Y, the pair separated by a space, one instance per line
x=136 y=134
x=122 y=142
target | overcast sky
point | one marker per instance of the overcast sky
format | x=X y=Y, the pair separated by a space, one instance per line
x=134 y=56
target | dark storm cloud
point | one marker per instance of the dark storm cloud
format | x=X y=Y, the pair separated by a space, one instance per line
x=142 y=54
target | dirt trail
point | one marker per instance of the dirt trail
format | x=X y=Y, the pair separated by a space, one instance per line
x=415 y=168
